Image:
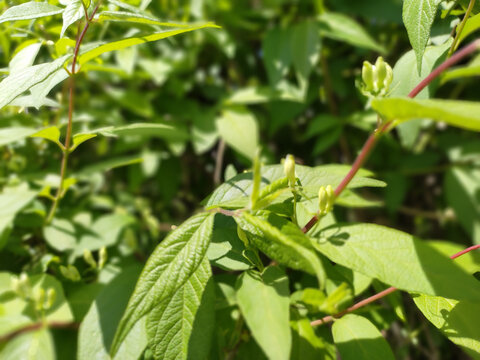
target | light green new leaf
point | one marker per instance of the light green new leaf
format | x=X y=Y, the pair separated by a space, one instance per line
x=282 y=241
x=123 y=16
x=24 y=58
x=472 y=25
x=104 y=47
x=30 y=345
x=79 y=139
x=418 y=16
x=185 y=320
x=343 y=28
x=13 y=134
x=397 y=259
x=263 y=299
x=16 y=84
x=51 y=133
x=457 y=320
x=462 y=114
x=173 y=263
x=74 y=11
x=239 y=129
x=29 y=10
x=358 y=339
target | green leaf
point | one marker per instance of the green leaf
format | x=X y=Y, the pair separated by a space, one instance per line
x=472 y=25
x=462 y=186
x=79 y=139
x=469 y=261
x=169 y=132
x=29 y=10
x=37 y=344
x=172 y=265
x=397 y=259
x=277 y=54
x=457 y=320
x=418 y=16
x=305 y=48
x=282 y=241
x=462 y=114
x=263 y=299
x=104 y=47
x=306 y=345
x=12 y=200
x=14 y=134
x=343 y=28
x=357 y=339
x=104 y=315
x=239 y=129
x=74 y=11
x=185 y=320
x=16 y=84
x=129 y=17
x=51 y=133
x=24 y=58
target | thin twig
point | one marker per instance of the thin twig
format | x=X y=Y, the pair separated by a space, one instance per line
x=36 y=326
x=71 y=103
x=217 y=175
x=377 y=296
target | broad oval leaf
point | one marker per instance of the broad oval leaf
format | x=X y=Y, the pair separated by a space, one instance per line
x=397 y=259
x=104 y=47
x=172 y=265
x=457 y=320
x=282 y=241
x=462 y=114
x=37 y=344
x=264 y=301
x=29 y=10
x=357 y=339
x=13 y=134
x=418 y=16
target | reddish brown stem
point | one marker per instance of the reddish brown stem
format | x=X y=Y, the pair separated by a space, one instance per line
x=377 y=296
x=372 y=139
x=37 y=326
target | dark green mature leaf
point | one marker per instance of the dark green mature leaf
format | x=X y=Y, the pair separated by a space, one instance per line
x=277 y=55
x=182 y=326
x=462 y=114
x=418 y=16
x=343 y=28
x=19 y=82
x=282 y=241
x=305 y=48
x=29 y=10
x=457 y=320
x=263 y=299
x=98 y=327
x=357 y=339
x=397 y=259
x=104 y=47
x=235 y=192
x=171 y=266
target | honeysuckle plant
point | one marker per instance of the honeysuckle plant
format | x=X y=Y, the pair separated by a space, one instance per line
x=263 y=268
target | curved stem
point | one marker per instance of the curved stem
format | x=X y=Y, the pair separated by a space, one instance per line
x=373 y=138
x=36 y=326
x=377 y=296
x=71 y=104
x=460 y=27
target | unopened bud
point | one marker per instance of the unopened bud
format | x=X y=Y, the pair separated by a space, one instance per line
x=51 y=296
x=289 y=169
x=368 y=76
x=70 y=272
x=376 y=78
x=39 y=298
x=102 y=257
x=331 y=197
x=326 y=198
x=88 y=257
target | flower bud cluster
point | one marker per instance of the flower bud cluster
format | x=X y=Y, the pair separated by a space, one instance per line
x=376 y=78
x=326 y=198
